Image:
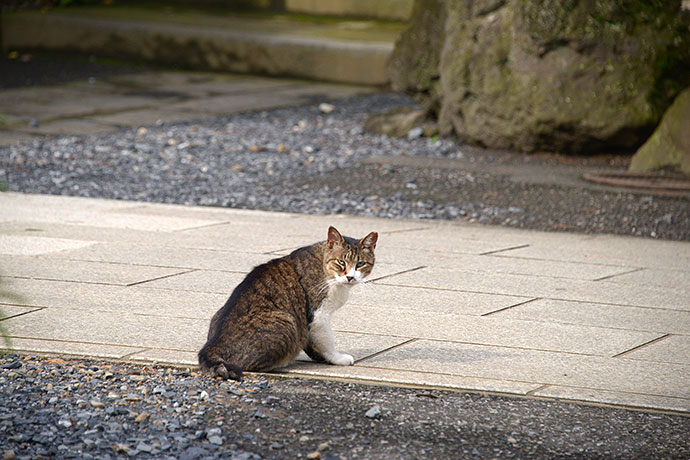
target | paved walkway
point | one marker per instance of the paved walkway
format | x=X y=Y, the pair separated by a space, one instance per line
x=578 y=317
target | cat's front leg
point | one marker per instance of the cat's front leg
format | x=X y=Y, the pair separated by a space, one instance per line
x=321 y=345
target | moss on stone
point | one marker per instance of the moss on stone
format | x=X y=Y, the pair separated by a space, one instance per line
x=572 y=76
x=669 y=146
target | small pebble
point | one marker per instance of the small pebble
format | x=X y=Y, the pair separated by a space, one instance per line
x=374 y=412
x=215 y=439
x=325 y=107
x=415 y=133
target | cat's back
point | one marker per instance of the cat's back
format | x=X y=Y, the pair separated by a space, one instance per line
x=269 y=287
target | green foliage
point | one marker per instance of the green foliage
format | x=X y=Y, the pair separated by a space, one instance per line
x=6 y=296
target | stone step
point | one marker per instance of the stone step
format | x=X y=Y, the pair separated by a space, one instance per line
x=343 y=50
x=381 y=9
x=390 y=10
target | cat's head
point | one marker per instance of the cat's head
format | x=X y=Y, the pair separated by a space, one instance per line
x=347 y=260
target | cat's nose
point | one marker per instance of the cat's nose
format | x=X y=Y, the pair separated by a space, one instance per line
x=349 y=278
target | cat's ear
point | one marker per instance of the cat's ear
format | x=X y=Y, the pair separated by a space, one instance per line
x=335 y=238
x=369 y=241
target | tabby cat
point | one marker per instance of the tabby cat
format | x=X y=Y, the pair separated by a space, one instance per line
x=285 y=306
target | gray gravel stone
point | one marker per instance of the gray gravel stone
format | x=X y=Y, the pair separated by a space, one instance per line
x=374 y=412
x=430 y=424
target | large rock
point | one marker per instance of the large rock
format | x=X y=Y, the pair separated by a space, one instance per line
x=559 y=75
x=669 y=146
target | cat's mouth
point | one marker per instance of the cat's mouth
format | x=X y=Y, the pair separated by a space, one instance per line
x=346 y=280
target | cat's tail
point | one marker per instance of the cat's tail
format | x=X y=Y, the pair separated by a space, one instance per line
x=217 y=367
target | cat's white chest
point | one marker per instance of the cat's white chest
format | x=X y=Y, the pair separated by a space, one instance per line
x=337 y=296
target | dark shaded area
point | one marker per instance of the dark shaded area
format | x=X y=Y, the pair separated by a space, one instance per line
x=33 y=69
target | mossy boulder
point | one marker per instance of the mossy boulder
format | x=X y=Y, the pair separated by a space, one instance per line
x=575 y=76
x=669 y=146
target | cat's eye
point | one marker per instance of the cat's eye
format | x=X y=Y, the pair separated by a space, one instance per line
x=341 y=262
x=360 y=264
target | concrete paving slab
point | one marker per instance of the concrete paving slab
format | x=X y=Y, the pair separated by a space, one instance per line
x=158 y=355
x=133 y=254
x=546 y=287
x=494 y=264
x=31 y=245
x=281 y=233
x=50 y=102
x=608 y=249
x=361 y=346
x=603 y=315
x=109 y=328
x=529 y=335
x=81 y=232
x=261 y=236
x=263 y=96
x=322 y=92
x=362 y=372
x=216 y=215
x=8 y=311
x=143 y=117
x=236 y=236
x=544 y=367
x=458 y=240
x=615 y=397
x=12 y=202
x=116 y=299
x=86 y=211
x=671 y=279
x=212 y=282
x=258 y=98
x=223 y=105
x=71 y=126
x=70 y=348
x=433 y=300
x=198 y=84
x=359 y=226
x=670 y=349
x=80 y=271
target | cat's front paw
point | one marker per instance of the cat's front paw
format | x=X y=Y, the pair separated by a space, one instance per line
x=342 y=359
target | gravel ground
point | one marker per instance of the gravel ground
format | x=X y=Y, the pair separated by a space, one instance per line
x=57 y=408
x=301 y=160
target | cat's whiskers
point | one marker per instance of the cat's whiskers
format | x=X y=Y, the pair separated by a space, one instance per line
x=322 y=287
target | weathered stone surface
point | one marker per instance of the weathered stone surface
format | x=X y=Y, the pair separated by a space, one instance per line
x=415 y=60
x=574 y=76
x=670 y=143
